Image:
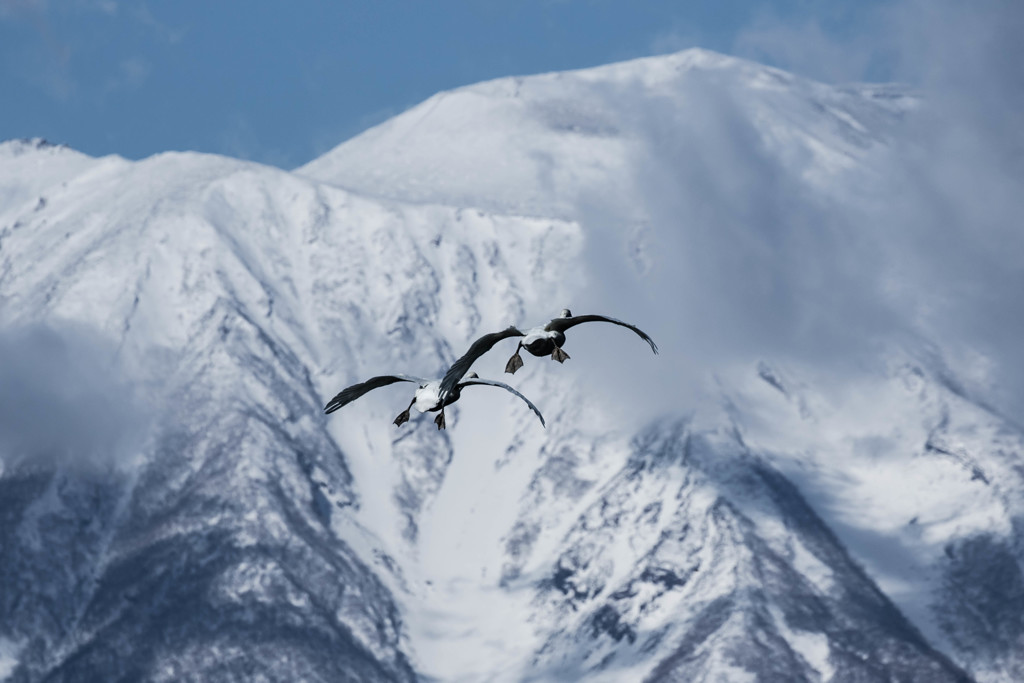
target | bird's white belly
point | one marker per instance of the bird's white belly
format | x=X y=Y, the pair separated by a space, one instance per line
x=427 y=396
x=536 y=334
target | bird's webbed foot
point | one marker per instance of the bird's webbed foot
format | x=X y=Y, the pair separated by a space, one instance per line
x=514 y=363
x=402 y=418
x=559 y=355
x=439 y=420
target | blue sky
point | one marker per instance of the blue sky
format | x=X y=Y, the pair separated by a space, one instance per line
x=283 y=82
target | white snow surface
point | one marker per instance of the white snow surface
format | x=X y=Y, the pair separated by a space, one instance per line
x=508 y=546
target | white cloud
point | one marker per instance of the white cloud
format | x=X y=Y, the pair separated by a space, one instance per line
x=131 y=73
x=64 y=399
x=746 y=263
x=810 y=50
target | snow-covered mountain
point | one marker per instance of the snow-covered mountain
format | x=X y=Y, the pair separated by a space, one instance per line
x=744 y=506
x=547 y=142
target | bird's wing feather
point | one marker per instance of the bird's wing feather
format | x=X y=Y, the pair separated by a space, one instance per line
x=481 y=346
x=349 y=394
x=495 y=383
x=562 y=324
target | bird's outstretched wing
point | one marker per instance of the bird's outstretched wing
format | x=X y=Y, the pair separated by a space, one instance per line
x=562 y=324
x=481 y=346
x=495 y=383
x=353 y=392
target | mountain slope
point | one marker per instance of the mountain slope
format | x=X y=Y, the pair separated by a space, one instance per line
x=210 y=557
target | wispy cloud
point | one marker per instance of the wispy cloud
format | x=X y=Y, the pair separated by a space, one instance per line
x=810 y=50
x=745 y=263
x=45 y=61
x=956 y=198
x=131 y=73
x=49 y=50
x=64 y=400
x=164 y=31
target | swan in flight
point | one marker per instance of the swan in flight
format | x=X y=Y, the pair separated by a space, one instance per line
x=540 y=341
x=550 y=337
x=426 y=398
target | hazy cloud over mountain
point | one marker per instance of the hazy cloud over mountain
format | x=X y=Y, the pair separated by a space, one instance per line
x=744 y=262
x=64 y=398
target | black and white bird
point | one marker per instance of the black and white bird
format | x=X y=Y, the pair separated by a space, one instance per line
x=540 y=341
x=428 y=396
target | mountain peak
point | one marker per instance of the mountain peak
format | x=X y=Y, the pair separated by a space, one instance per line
x=19 y=146
x=536 y=145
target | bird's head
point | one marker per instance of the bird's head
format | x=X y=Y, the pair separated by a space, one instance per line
x=472 y=375
x=566 y=313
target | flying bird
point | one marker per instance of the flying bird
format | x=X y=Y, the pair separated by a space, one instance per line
x=428 y=397
x=540 y=341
